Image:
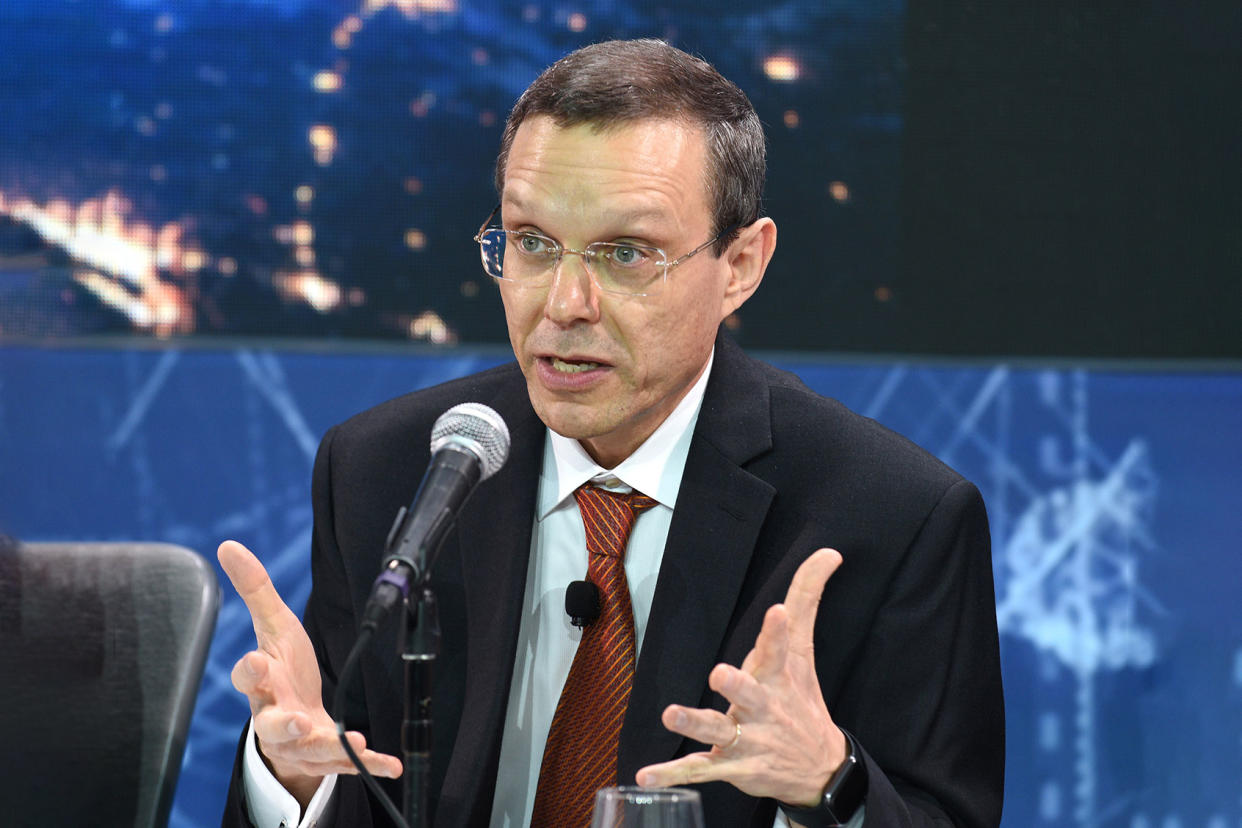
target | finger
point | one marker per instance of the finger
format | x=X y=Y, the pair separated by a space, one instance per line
x=320 y=753
x=277 y=726
x=758 y=654
x=772 y=645
x=248 y=675
x=377 y=764
x=802 y=599
x=742 y=689
x=320 y=747
x=268 y=612
x=710 y=727
x=688 y=770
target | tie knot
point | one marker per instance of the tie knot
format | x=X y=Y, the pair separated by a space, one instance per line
x=609 y=517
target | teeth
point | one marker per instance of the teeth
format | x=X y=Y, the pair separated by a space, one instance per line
x=572 y=367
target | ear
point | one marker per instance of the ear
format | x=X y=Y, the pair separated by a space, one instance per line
x=747 y=259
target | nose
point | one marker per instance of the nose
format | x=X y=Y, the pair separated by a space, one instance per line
x=572 y=296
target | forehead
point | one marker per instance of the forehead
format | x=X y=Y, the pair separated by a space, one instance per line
x=655 y=168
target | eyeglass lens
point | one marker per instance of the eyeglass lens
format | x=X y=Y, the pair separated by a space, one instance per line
x=530 y=258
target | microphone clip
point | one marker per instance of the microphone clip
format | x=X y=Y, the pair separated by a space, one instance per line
x=582 y=603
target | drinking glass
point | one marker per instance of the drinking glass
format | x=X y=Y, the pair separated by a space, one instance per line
x=633 y=807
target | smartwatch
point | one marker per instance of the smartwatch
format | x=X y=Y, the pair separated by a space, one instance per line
x=843 y=795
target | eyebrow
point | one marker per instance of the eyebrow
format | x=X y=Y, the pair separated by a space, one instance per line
x=640 y=215
x=627 y=217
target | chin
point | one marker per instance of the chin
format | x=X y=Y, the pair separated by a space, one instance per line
x=565 y=423
x=573 y=420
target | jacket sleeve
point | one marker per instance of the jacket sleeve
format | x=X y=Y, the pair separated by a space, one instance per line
x=925 y=700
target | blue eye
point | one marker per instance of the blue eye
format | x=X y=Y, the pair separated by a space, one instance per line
x=532 y=244
x=626 y=256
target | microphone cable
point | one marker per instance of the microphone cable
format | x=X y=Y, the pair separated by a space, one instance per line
x=338 y=716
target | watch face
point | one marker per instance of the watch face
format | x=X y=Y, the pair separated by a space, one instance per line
x=846 y=791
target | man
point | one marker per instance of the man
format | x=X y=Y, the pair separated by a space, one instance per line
x=629 y=228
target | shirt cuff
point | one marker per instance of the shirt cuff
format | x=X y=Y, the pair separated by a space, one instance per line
x=856 y=821
x=269 y=804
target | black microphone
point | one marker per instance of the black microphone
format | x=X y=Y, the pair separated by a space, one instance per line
x=469 y=443
x=582 y=603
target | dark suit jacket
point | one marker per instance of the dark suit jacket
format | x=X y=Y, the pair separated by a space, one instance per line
x=906 y=642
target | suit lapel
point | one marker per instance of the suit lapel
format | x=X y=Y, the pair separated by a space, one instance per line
x=720 y=510
x=493 y=533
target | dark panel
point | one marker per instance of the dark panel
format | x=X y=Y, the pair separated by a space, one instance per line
x=1072 y=183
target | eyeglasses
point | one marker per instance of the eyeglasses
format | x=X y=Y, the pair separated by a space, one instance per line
x=530 y=259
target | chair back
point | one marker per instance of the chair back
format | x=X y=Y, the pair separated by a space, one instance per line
x=102 y=648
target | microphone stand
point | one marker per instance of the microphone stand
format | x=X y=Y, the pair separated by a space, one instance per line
x=419 y=649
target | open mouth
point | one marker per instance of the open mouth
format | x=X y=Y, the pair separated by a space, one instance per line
x=572 y=366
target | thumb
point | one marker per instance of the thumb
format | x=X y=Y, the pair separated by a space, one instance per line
x=269 y=614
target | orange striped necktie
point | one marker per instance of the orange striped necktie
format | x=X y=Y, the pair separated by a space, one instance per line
x=580 y=756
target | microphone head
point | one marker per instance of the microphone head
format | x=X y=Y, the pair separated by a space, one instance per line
x=477 y=429
x=581 y=602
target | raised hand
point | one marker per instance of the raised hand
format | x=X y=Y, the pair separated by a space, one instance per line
x=297 y=737
x=777 y=738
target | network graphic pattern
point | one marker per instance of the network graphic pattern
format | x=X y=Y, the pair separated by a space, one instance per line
x=1071 y=527
x=1073 y=502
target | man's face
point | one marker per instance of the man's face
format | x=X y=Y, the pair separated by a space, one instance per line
x=601 y=368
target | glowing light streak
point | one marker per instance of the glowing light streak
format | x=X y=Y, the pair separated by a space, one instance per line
x=162 y=310
x=310 y=287
x=322 y=139
x=428 y=325
x=420 y=106
x=411 y=8
x=303 y=233
x=168 y=246
x=125 y=257
x=343 y=34
x=133 y=266
x=193 y=260
x=782 y=68
x=327 y=81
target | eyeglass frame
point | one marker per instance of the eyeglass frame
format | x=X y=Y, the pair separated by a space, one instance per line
x=586 y=257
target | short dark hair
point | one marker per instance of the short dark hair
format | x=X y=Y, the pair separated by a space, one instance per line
x=617 y=82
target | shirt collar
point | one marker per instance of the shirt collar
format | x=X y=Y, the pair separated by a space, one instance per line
x=654 y=468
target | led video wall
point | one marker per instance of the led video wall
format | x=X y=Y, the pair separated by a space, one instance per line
x=317 y=168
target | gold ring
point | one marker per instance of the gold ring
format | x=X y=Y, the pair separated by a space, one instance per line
x=737 y=734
